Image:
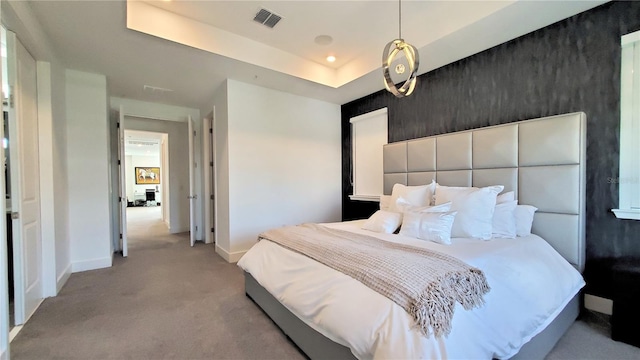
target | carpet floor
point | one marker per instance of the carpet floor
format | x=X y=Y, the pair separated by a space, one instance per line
x=167 y=300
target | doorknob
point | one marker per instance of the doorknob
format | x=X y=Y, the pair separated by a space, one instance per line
x=192 y=197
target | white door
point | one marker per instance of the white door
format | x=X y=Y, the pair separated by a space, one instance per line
x=123 y=185
x=4 y=273
x=212 y=182
x=207 y=161
x=25 y=183
x=192 y=184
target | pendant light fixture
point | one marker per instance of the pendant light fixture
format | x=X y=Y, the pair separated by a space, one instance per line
x=392 y=49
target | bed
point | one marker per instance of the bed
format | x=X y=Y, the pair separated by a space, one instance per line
x=535 y=280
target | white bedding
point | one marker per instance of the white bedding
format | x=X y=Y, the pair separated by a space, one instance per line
x=530 y=284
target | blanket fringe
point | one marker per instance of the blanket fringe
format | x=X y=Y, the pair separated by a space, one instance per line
x=434 y=307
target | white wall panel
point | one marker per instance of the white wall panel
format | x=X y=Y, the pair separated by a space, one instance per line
x=284 y=162
x=88 y=172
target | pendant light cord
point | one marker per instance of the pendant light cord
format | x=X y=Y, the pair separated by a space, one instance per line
x=399 y=19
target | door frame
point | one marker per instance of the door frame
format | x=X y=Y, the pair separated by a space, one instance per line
x=135 y=112
x=4 y=273
x=164 y=178
x=126 y=177
x=193 y=196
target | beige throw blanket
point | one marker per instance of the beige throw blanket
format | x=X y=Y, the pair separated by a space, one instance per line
x=425 y=283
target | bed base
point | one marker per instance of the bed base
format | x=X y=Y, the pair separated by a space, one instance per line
x=317 y=346
x=312 y=343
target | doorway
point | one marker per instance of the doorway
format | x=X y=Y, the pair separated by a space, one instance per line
x=176 y=174
x=146 y=180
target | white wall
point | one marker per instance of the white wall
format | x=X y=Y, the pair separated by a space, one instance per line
x=60 y=175
x=221 y=183
x=156 y=111
x=88 y=171
x=178 y=165
x=134 y=190
x=284 y=154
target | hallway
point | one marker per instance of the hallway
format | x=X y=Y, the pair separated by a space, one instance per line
x=146 y=230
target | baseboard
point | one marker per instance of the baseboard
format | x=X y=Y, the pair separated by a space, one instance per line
x=62 y=279
x=598 y=304
x=14 y=332
x=92 y=264
x=229 y=257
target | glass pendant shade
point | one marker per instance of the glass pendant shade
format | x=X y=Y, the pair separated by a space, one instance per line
x=392 y=49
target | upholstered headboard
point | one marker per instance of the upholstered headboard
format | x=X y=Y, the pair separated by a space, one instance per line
x=542 y=160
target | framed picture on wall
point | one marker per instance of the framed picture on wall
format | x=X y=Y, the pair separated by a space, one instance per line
x=147 y=175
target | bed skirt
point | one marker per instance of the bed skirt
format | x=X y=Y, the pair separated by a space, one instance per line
x=317 y=346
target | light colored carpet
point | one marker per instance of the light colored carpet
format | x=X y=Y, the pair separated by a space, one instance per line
x=170 y=301
x=166 y=300
x=590 y=338
x=145 y=228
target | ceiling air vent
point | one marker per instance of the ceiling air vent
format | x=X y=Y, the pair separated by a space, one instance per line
x=142 y=143
x=267 y=18
x=155 y=89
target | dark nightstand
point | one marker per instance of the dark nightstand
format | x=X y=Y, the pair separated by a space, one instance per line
x=626 y=301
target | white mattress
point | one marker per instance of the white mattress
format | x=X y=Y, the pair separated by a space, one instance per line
x=530 y=284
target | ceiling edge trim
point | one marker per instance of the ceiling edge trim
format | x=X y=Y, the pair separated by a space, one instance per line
x=154 y=21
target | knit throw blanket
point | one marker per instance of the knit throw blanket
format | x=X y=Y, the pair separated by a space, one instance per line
x=425 y=283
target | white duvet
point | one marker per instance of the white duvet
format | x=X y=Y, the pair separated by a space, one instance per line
x=530 y=284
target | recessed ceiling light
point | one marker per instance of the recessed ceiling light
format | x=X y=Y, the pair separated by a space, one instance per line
x=323 y=40
x=331 y=58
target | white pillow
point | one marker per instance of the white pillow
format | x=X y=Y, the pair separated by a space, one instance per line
x=385 y=200
x=504 y=220
x=508 y=196
x=475 y=207
x=415 y=195
x=432 y=226
x=404 y=206
x=524 y=219
x=383 y=221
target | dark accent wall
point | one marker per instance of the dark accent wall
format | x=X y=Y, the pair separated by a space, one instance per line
x=572 y=65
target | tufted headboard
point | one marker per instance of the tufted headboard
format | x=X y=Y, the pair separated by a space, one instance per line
x=542 y=160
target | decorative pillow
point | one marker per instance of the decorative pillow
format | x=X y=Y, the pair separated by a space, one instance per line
x=432 y=226
x=475 y=207
x=404 y=206
x=504 y=220
x=385 y=200
x=508 y=196
x=415 y=195
x=524 y=219
x=383 y=221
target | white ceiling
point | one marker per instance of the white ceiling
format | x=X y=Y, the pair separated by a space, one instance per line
x=223 y=42
x=142 y=143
